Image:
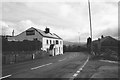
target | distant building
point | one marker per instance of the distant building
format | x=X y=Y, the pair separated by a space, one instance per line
x=106 y=41
x=50 y=41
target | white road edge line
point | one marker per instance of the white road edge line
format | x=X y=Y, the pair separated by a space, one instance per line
x=62 y=59
x=40 y=66
x=79 y=70
x=5 y=76
x=48 y=63
x=109 y=61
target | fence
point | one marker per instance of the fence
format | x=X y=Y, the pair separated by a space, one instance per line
x=21 y=56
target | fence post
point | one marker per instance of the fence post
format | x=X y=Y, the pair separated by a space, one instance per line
x=33 y=56
x=16 y=58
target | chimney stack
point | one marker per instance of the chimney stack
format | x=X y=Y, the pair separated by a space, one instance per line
x=102 y=36
x=47 y=30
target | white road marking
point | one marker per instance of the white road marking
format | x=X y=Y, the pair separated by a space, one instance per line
x=75 y=74
x=48 y=63
x=109 y=61
x=75 y=55
x=79 y=70
x=40 y=66
x=62 y=59
x=5 y=76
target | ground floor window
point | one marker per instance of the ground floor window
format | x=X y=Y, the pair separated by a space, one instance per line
x=59 y=50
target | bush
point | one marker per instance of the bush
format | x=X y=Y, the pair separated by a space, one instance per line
x=21 y=45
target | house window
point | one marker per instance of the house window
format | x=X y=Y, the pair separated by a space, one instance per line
x=60 y=42
x=35 y=39
x=50 y=42
x=53 y=42
x=47 y=41
x=59 y=50
x=30 y=32
x=57 y=42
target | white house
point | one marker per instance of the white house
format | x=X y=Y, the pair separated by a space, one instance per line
x=50 y=41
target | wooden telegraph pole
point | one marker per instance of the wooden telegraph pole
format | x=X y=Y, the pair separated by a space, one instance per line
x=90 y=26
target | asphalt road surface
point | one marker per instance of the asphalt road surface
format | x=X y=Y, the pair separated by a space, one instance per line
x=71 y=65
x=61 y=66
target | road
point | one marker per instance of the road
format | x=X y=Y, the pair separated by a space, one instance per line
x=61 y=66
x=99 y=69
x=71 y=65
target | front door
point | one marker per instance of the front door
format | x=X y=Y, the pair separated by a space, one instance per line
x=54 y=51
x=59 y=50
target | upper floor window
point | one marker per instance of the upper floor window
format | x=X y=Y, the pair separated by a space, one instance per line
x=30 y=32
x=47 y=41
x=57 y=42
x=50 y=42
x=53 y=41
x=60 y=42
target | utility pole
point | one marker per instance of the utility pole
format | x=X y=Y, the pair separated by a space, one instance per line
x=90 y=25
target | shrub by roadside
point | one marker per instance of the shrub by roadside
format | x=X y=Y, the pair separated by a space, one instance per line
x=106 y=55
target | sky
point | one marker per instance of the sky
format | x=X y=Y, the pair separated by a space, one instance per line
x=67 y=18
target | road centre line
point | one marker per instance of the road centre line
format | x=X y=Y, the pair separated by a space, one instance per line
x=34 y=68
x=5 y=77
x=62 y=59
x=31 y=69
x=75 y=55
x=75 y=74
x=79 y=70
x=40 y=66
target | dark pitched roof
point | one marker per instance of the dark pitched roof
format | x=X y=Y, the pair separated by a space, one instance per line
x=108 y=40
x=49 y=35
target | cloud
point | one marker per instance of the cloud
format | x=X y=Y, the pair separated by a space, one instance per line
x=109 y=31
x=64 y=18
x=65 y=10
x=5 y=28
x=8 y=27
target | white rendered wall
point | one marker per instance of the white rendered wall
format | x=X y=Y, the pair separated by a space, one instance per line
x=46 y=46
